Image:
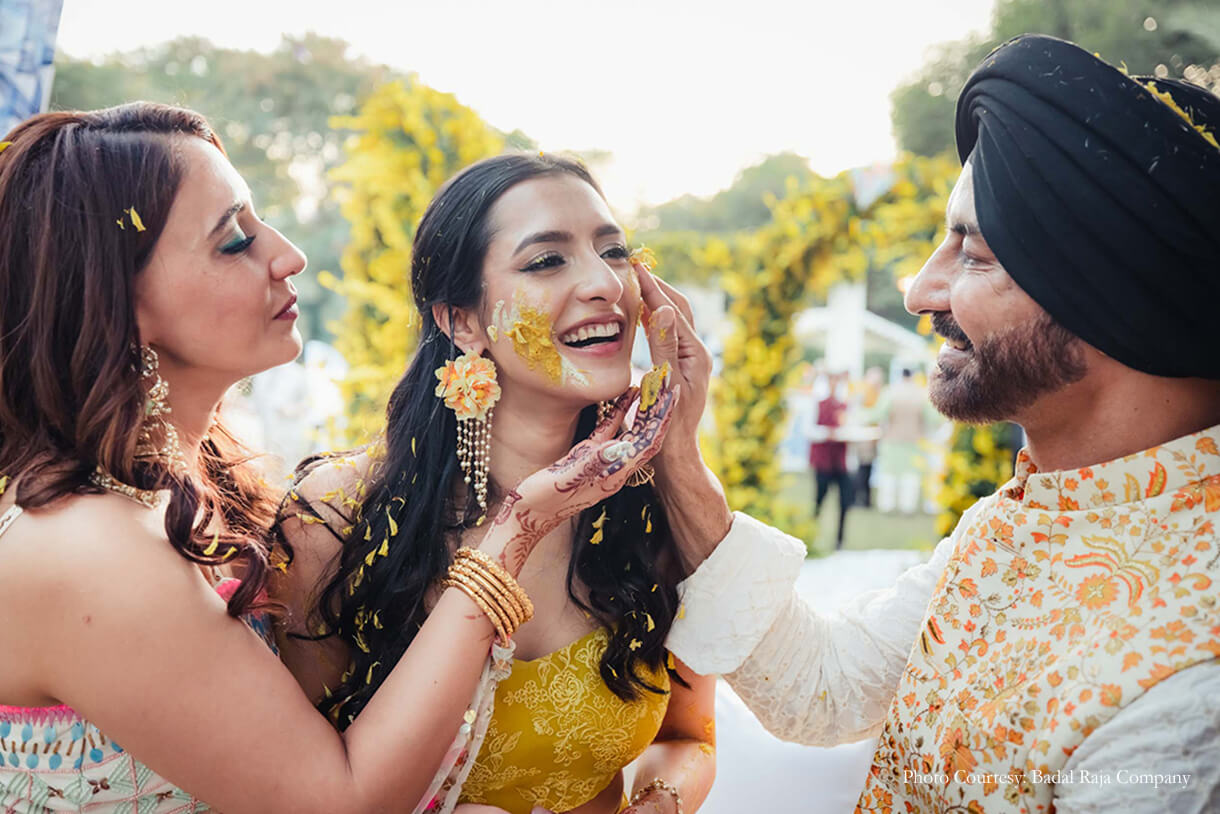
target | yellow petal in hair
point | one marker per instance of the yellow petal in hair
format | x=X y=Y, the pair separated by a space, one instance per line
x=4 y=145
x=135 y=219
x=368 y=679
x=3 y=483
x=651 y=624
x=229 y=552
x=120 y=223
x=669 y=661
x=636 y=644
x=211 y=549
x=393 y=525
x=597 y=528
x=369 y=557
x=645 y=257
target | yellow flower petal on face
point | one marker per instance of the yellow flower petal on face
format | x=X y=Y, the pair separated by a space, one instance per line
x=135 y=219
x=211 y=549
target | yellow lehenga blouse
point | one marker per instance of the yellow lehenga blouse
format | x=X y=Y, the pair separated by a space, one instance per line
x=558 y=735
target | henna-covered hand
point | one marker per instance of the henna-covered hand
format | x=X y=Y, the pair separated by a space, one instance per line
x=595 y=468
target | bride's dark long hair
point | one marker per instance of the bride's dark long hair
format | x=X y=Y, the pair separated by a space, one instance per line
x=398 y=542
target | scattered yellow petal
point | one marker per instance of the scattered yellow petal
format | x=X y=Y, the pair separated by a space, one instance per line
x=651 y=624
x=211 y=549
x=636 y=644
x=369 y=557
x=384 y=551
x=669 y=661
x=393 y=525
x=3 y=483
x=310 y=519
x=4 y=145
x=368 y=533
x=120 y=223
x=368 y=679
x=412 y=444
x=135 y=219
x=231 y=551
x=377 y=619
x=654 y=589
x=681 y=611
x=597 y=528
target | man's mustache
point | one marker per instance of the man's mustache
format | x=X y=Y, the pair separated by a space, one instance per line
x=945 y=325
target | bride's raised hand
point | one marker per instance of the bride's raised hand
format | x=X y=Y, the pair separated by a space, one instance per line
x=594 y=469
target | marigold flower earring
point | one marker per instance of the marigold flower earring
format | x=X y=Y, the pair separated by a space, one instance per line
x=468 y=386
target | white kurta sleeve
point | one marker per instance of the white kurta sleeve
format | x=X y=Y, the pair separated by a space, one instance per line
x=814 y=678
x=1156 y=754
x=734 y=596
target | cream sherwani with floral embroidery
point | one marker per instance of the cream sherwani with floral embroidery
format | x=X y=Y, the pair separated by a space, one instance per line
x=1057 y=604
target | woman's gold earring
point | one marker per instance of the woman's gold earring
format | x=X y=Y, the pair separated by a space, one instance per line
x=604 y=410
x=156 y=405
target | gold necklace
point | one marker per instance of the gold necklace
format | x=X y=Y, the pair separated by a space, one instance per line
x=145 y=497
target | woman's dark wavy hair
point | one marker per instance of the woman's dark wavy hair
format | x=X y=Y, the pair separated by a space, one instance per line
x=377 y=609
x=71 y=397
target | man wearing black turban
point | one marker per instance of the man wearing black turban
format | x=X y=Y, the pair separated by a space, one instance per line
x=1061 y=649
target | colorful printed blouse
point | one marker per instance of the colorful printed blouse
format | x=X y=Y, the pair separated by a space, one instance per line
x=558 y=735
x=55 y=760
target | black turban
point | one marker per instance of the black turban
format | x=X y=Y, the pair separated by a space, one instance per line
x=1100 y=200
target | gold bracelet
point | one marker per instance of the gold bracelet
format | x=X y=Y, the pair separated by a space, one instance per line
x=501 y=575
x=492 y=591
x=476 y=596
x=658 y=784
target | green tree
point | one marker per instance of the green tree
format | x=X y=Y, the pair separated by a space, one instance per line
x=744 y=205
x=1174 y=38
x=272 y=110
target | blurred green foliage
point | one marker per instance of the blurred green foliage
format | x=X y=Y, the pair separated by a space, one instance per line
x=1174 y=38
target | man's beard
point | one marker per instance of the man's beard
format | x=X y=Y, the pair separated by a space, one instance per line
x=1006 y=372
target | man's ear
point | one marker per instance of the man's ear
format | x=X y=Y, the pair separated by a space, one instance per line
x=465 y=330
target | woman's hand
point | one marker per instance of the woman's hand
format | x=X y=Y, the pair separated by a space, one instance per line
x=694 y=501
x=594 y=469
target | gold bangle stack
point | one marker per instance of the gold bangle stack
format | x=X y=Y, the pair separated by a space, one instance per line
x=493 y=589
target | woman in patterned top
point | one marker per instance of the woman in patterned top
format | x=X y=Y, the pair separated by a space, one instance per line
x=136 y=286
x=519 y=261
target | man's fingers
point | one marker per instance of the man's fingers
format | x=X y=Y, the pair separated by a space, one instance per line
x=662 y=338
x=675 y=297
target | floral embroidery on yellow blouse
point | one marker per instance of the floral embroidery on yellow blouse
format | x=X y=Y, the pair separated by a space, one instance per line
x=558 y=735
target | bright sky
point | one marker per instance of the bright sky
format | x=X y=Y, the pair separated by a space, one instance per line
x=683 y=94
